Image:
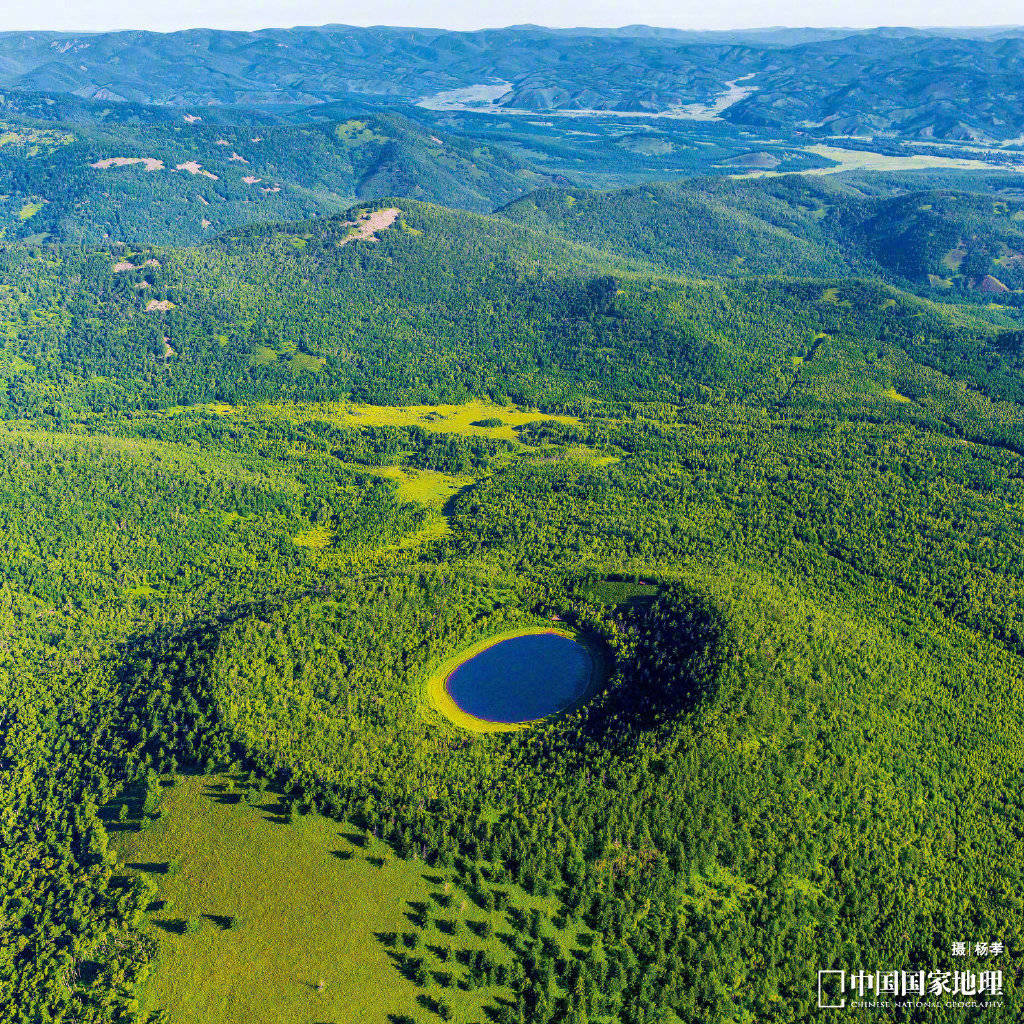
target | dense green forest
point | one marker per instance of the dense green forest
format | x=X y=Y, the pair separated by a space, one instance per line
x=98 y=176
x=787 y=502
x=466 y=306
x=944 y=234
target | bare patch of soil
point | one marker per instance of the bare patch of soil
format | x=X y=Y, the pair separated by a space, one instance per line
x=992 y=285
x=150 y=163
x=366 y=227
x=194 y=168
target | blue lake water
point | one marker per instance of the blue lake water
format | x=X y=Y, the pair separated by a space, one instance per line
x=523 y=678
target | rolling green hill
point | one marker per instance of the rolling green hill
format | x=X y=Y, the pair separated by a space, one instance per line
x=709 y=227
x=255 y=491
x=466 y=305
x=100 y=179
x=964 y=238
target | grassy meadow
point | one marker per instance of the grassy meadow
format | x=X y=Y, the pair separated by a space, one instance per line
x=263 y=918
x=421 y=486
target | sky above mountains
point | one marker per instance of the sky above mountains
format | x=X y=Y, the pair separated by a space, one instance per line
x=169 y=15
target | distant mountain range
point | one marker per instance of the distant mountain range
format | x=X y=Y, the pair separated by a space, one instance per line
x=948 y=85
x=171 y=138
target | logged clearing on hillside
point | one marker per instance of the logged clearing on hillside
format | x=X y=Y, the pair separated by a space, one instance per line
x=193 y=167
x=895 y=396
x=30 y=209
x=366 y=227
x=150 y=163
x=316 y=538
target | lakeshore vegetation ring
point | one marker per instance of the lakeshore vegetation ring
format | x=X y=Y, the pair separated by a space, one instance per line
x=512 y=679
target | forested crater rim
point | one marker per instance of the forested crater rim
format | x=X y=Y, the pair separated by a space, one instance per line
x=452 y=705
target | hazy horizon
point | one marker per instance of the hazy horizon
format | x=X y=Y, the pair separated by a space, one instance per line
x=462 y=15
x=531 y=24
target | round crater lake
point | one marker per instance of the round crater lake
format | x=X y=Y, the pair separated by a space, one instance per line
x=523 y=678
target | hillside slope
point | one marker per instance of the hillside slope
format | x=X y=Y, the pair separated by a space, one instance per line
x=408 y=302
x=788 y=509
x=90 y=177
x=961 y=239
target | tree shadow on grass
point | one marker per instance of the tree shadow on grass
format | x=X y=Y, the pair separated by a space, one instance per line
x=269 y=801
x=478 y=898
x=276 y=812
x=397 y=957
x=499 y=1012
x=122 y=826
x=174 y=925
x=131 y=799
x=134 y=818
x=225 y=922
x=219 y=793
x=418 y=908
x=428 y=1003
x=153 y=867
